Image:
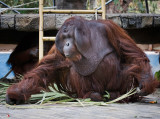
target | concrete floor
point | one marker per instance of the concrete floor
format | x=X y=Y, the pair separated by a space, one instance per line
x=111 y=111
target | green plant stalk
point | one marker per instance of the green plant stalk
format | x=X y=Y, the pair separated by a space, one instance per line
x=48 y=96
x=4 y=84
x=122 y=97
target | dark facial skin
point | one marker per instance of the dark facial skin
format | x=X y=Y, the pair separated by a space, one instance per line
x=67 y=44
x=70 y=51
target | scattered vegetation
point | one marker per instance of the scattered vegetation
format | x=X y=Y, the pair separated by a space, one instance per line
x=55 y=97
x=3 y=88
x=138 y=6
x=157 y=75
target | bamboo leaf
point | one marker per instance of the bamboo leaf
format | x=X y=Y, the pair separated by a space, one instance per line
x=4 y=84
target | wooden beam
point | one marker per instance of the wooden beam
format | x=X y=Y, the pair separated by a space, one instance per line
x=72 y=11
x=49 y=38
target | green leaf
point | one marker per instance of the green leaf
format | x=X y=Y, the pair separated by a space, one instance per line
x=107 y=95
x=4 y=84
x=157 y=75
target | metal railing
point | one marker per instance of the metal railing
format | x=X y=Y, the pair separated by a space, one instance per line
x=9 y=7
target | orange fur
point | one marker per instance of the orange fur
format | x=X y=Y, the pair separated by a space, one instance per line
x=125 y=68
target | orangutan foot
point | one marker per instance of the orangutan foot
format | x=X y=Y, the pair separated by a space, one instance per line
x=95 y=96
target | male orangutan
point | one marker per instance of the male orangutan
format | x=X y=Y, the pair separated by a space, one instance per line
x=88 y=58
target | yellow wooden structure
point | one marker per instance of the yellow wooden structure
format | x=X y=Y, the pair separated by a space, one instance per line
x=42 y=11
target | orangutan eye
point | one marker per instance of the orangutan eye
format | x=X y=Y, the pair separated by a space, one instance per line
x=65 y=29
x=67 y=44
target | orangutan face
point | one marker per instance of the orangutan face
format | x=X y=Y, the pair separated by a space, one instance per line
x=79 y=38
x=65 y=42
x=70 y=51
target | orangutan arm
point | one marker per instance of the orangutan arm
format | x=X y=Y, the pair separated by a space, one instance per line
x=37 y=79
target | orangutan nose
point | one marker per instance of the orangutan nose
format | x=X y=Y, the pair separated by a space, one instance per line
x=67 y=44
x=67 y=55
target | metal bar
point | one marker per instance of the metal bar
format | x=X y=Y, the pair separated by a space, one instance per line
x=103 y=9
x=159 y=57
x=73 y=11
x=8 y=73
x=25 y=4
x=54 y=3
x=9 y=7
x=105 y=4
x=19 y=9
x=147 y=8
x=49 y=38
x=40 y=29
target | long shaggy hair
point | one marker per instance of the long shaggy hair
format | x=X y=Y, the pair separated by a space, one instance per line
x=124 y=68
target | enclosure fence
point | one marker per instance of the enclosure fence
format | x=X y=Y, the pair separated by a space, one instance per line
x=42 y=11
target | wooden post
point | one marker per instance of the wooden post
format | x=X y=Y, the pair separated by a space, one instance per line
x=40 y=29
x=150 y=47
x=103 y=9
